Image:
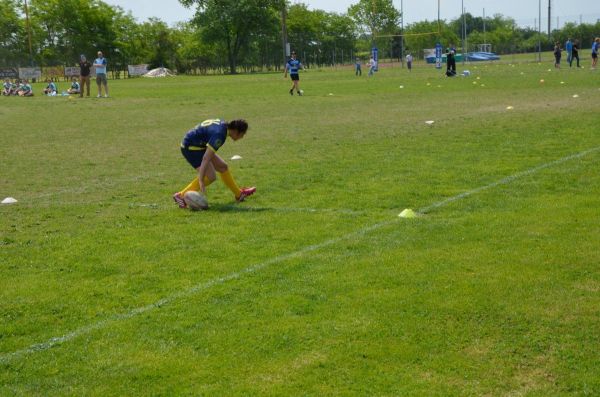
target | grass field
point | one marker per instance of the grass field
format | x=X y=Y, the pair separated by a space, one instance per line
x=314 y=286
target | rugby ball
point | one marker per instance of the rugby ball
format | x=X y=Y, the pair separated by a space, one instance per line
x=195 y=201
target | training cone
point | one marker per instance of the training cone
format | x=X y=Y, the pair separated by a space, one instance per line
x=407 y=213
x=9 y=200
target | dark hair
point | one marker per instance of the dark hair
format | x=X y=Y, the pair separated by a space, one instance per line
x=239 y=125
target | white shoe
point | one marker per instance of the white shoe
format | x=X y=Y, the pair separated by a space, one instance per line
x=106 y=96
x=98 y=96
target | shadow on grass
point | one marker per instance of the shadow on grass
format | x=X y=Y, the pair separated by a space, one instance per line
x=238 y=208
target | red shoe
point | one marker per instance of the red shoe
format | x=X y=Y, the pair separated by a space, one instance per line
x=178 y=198
x=245 y=192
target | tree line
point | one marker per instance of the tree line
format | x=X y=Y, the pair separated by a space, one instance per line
x=244 y=35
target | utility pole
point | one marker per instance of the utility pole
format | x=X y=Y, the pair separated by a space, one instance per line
x=373 y=27
x=28 y=32
x=484 y=40
x=464 y=32
x=284 y=33
x=439 y=26
x=540 y=31
x=402 y=32
x=549 y=17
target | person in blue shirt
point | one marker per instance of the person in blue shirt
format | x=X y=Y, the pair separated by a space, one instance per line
x=51 y=89
x=357 y=66
x=199 y=147
x=75 y=87
x=101 y=80
x=569 y=49
x=293 y=66
x=595 y=50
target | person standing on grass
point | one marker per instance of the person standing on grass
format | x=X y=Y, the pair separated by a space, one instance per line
x=409 y=61
x=101 y=81
x=451 y=62
x=575 y=53
x=199 y=147
x=372 y=66
x=557 y=55
x=595 y=50
x=569 y=49
x=357 y=67
x=294 y=65
x=84 y=75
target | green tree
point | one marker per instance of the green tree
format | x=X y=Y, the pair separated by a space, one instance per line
x=234 y=23
x=419 y=39
x=12 y=34
x=320 y=36
x=63 y=29
x=375 y=17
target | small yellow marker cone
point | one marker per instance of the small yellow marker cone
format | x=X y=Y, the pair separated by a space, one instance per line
x=407 y=213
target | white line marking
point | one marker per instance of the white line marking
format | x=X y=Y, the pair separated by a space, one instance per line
x=508 y=179
x=7 y=357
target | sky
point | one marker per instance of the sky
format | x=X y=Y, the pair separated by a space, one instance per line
x=525 y=12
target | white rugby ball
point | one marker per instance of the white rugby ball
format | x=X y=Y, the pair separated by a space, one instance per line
x=195 y=200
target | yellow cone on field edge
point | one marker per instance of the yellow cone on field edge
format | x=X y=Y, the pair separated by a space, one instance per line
x=408 y=213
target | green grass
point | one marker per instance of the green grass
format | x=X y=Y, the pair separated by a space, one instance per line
x=313 y=286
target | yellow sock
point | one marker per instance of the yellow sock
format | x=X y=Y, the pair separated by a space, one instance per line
x=195 y=185
x=230 y=182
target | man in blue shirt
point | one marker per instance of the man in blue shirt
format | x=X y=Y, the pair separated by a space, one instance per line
x=293 y=65
x=595 y=49
x=569 y=50
x=100 y=64
x=200 y=146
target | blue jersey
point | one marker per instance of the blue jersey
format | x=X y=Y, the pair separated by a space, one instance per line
x=100 y=69
x=293 y=65
x=569 y=46
x=209 y=133
x=595 y=47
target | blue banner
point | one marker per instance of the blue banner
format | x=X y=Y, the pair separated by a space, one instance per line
x=438 y=56
x=375 y=53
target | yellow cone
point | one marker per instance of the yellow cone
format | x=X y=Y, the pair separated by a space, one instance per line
x=408 y=213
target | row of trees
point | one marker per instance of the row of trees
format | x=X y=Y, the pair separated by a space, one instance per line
x=233 y=35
